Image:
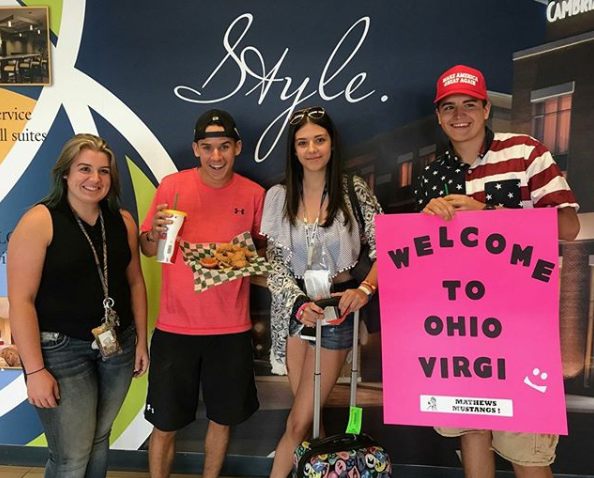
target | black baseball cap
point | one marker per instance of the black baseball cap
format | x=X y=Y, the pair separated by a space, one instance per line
x=216 y=117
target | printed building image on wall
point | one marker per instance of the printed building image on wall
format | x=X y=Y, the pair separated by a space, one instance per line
x=24 y=46
x=553 y=100
x=391 y=162
x=389 y=137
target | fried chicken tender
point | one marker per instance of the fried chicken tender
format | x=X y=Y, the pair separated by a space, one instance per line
x=237 y=256
x=220 y=256
x=233 y=256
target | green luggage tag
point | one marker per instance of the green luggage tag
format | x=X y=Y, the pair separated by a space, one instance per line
x=355 y=419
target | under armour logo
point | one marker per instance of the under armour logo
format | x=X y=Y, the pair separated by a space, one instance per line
x=239 y=211
x=149 y=408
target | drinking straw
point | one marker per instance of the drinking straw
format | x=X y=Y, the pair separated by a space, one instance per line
x=175 y=202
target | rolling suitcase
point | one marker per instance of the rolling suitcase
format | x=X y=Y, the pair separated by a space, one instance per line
x=348 y=455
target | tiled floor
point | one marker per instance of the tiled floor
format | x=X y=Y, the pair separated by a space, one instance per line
x=27 y=472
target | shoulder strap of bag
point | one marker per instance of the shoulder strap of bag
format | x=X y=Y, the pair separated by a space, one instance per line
x=355 y=202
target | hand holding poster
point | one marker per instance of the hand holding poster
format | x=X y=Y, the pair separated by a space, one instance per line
x=470 y=320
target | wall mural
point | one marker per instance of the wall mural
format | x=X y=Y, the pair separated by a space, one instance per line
x=140 y=75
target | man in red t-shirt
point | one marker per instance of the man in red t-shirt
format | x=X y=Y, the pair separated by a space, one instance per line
x=202 y=340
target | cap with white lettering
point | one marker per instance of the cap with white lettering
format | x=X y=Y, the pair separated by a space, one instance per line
x=461 y=80
x=219 y=118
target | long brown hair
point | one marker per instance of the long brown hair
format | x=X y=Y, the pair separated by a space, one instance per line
x=294 y=170
x=73 y=147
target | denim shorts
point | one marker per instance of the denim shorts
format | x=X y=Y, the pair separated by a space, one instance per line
x=334 y=337
x=338 y=337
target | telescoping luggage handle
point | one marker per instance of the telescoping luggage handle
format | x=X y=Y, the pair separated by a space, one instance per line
x=323 y=303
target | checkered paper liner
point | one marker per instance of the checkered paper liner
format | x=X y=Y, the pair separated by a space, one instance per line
x=206 y=278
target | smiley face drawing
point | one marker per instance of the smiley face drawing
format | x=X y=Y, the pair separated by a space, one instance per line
x=538 y=374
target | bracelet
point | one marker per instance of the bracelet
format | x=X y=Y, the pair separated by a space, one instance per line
x=366 y=290
x=32 y=373
x=300 y=311
x=148 y=236
x=372 y=288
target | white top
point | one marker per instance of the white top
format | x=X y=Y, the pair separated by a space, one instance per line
x=339 y=246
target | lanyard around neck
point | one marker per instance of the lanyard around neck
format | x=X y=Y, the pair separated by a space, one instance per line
x=103 y=275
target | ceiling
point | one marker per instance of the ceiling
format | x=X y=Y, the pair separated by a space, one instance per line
x=22 y=19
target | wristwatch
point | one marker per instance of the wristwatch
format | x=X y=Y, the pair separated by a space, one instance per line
x=489 y=207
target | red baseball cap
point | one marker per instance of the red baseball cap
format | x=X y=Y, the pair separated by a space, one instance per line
x=461 y=80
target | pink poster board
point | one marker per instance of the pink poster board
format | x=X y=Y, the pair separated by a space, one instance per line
x=470 y=320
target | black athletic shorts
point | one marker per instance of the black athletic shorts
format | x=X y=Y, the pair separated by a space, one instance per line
x=180 y=364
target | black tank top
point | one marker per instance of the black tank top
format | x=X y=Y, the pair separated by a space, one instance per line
x=70 y=297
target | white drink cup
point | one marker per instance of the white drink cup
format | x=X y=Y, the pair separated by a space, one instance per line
x=167 y=245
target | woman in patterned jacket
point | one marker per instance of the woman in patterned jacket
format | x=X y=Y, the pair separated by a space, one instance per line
x=310 y=224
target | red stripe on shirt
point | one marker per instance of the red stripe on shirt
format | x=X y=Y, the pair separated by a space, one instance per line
x=544 y=177
x=514 y=165
x=555 y=198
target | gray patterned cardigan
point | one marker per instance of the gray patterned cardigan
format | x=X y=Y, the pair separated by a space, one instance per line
x=281 y=280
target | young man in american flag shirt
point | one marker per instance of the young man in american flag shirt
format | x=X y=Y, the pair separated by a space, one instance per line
x=482 y=170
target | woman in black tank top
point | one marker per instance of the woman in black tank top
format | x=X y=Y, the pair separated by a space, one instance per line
x=72 y=263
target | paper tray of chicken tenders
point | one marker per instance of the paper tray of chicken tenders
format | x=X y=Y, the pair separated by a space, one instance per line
x=216 y=263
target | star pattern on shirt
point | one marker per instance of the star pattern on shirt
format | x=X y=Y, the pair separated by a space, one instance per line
x=446 y=175
x=506 y=193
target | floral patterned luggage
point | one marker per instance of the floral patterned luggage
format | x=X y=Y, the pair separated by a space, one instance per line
x=348 y=455
x=342 y=456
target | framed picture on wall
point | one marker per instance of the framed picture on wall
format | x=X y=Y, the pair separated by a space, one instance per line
x=9 y=356
x=24 y=46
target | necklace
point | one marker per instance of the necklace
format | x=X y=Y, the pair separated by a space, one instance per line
x=311 y=232
x=305 y=214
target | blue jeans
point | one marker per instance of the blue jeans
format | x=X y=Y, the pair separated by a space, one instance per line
x=91 y=394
